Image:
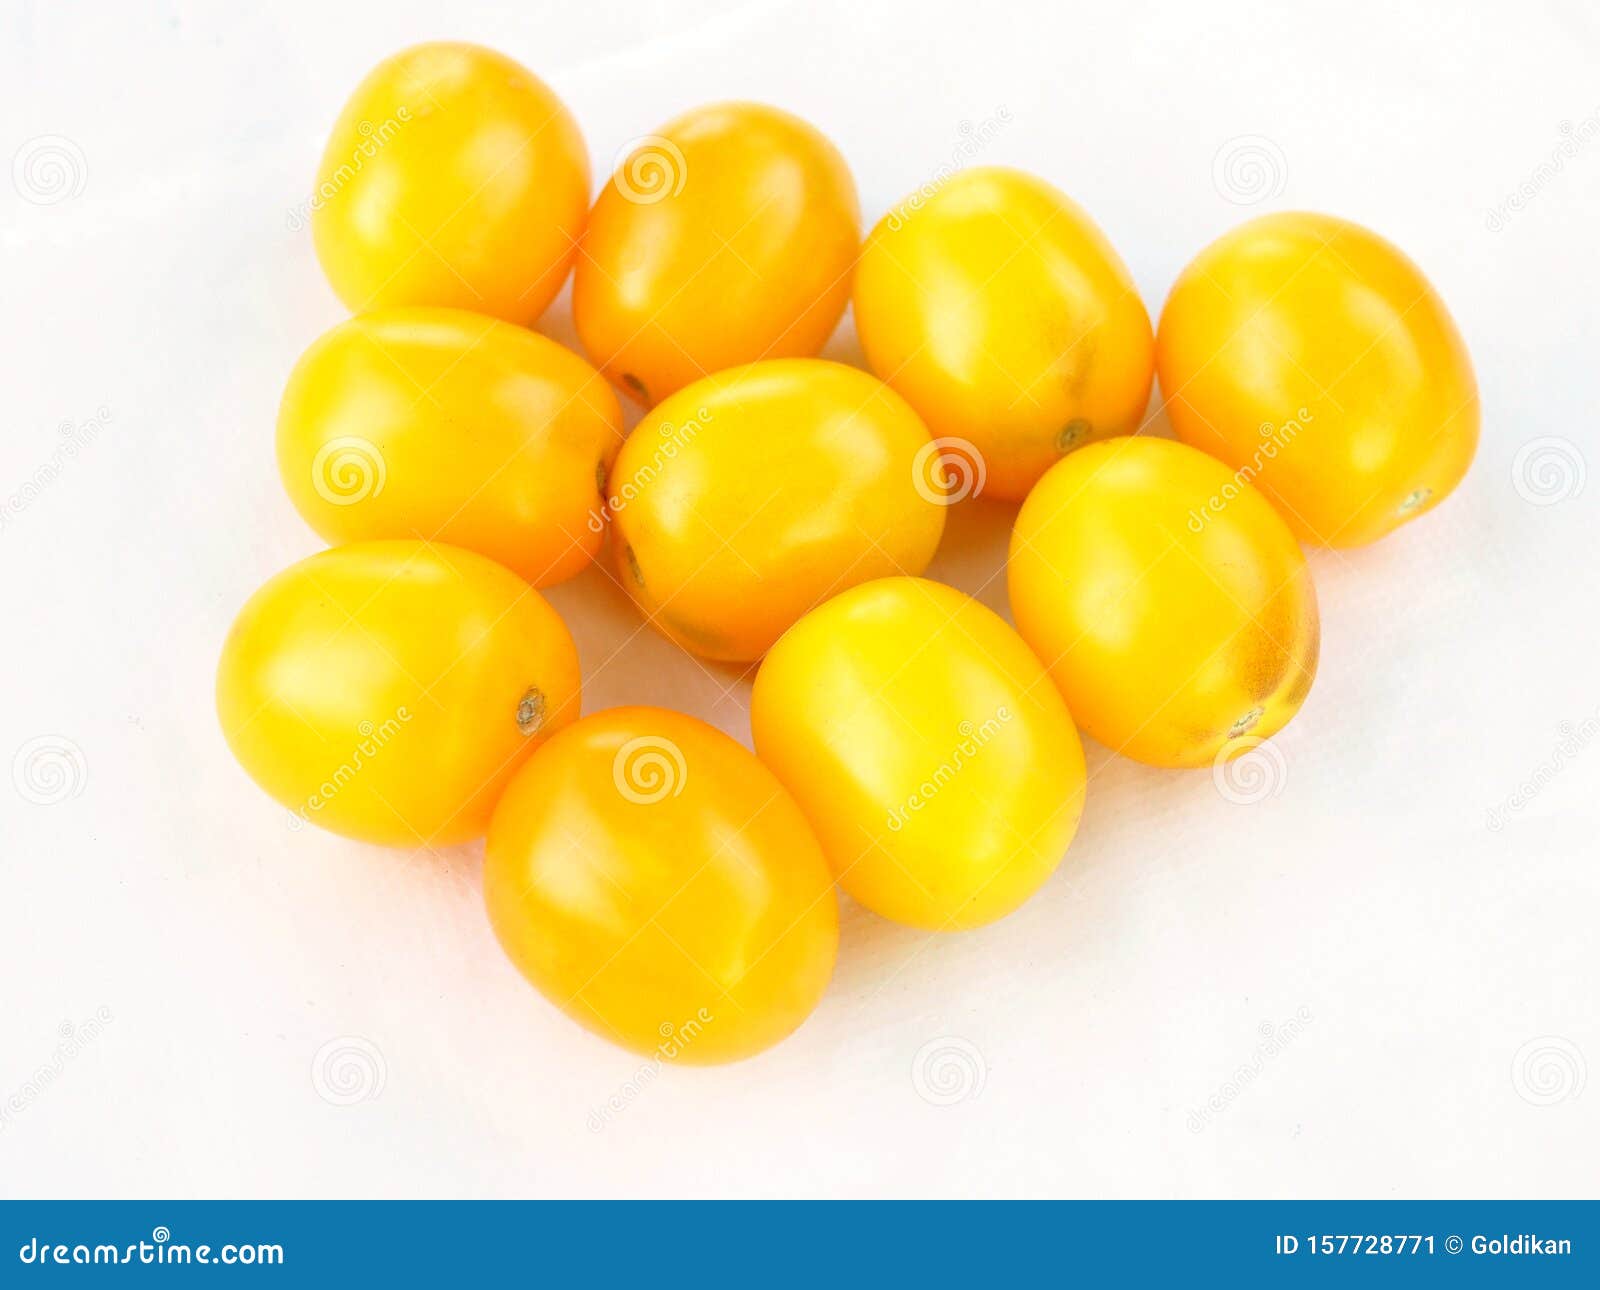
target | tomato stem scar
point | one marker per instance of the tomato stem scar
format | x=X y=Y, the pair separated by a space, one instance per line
x=530 y=711
x=1245 y=722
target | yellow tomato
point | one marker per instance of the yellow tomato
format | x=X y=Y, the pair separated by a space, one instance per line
x=726 y=238
x=388 y=690
x=928 y=749
x=748 y=497
x=454 y=176
x=656 y=883
x=1311 y=355
x=1168 y=600
x=437 y=423
x=1003 y=315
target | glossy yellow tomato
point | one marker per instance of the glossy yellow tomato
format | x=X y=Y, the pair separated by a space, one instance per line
x=926 y=746
x=388 y=690
x=656 y=883
x=725 y=238
x=1002 y=313
x=748 y=497
x=437 y=423
x=1311 y=355
x=1168 y=600
x=454 y=176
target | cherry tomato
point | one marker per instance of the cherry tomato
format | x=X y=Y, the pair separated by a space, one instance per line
x=748 y=497
x=1007 y=320
x=726 y=238
x=926 y=745
x=388 y=690
x=1313 y=357
x=437 y=423
x=656 y=883
x=454 y=176
x=1168 y=600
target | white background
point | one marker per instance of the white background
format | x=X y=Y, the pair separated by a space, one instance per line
x=1448 y=969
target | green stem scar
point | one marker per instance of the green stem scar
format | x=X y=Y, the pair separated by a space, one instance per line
x=530 y=711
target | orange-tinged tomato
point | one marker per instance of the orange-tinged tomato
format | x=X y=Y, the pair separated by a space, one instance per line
x=388 y=690
x=926 y=745
x=1311 y=355
x=748 y=497
x=454 y=176
x=1170 y=603
x=725 y=238
x=1002 y=313
x=656 y=883
x=443 y=424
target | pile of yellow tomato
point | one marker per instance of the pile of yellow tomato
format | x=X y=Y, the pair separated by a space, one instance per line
x=652 y=877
